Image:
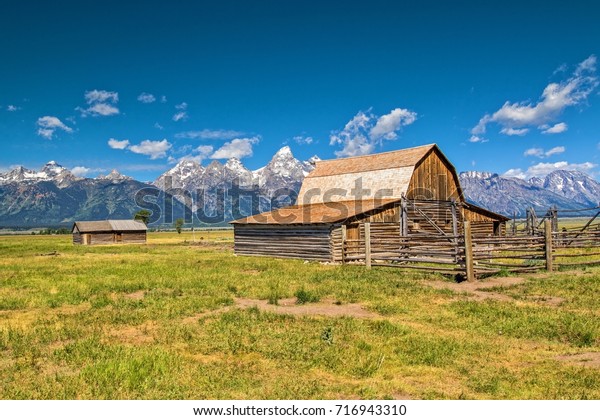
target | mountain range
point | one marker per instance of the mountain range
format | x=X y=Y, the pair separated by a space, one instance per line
x=54 y=196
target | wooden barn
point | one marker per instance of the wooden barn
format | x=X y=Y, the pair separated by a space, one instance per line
x=106 y=232
x=406 y=192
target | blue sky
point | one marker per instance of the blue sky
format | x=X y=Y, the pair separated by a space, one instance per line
x=509 y=87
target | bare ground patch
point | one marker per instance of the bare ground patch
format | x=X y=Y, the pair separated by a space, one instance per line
x=327 y=308
x=138 y=334
x=478 y=290
x=324 y=308
x=139 y=295
x=589 y=359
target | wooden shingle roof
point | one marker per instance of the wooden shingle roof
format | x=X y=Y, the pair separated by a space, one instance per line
x=316 y=213
x=387 y=160
x=110 y=226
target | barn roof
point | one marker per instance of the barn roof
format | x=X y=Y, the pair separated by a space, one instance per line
x=110 y=226
x=316 y=213
x=387 y=174
x=376 y=162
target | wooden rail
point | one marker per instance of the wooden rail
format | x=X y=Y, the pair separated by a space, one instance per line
x=472 y=256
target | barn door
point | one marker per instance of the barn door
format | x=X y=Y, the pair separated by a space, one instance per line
x=119 y=237
x=86 y=238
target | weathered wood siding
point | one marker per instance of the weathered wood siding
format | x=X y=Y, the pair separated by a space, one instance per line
x=109 y=238
x=134 y=237
x=307 y=242
x=101 y=238
x=433 y=179
x=483 y=229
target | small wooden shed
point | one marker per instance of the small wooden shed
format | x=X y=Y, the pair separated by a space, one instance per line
x=400 y=193
x=106 y=232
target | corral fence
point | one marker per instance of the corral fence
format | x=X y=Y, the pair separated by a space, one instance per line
x=469 y=255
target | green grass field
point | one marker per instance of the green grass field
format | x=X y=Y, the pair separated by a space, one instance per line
x=163 y=321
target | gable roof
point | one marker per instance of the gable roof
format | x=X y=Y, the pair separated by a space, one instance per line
x=331 y=212
x=387 y=174
x=388 y=160
x=110 y=226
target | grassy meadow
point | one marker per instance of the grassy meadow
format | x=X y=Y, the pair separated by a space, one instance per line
x=163 y=321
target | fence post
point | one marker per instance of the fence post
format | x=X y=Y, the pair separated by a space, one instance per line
x=548 y=247
x=368 y=245
x=468 y=251
x=344 y=244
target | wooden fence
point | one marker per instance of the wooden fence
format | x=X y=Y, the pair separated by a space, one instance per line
x=468 y=255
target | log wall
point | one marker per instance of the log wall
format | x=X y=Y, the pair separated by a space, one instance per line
x=308 y=242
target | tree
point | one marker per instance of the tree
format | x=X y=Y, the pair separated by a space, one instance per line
x=143 y=216
x=178 y=225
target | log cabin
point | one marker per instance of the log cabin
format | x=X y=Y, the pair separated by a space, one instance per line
x=401 y=193
x=108 y=232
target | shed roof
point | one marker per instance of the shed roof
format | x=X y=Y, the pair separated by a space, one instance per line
x=110 y=226
x=317 y=213
x=476 y=209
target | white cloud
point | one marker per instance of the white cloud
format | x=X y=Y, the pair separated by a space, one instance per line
x=555 y=151
x=100 y=109
x=96 y=96
x=13 y=108
x=555 y=129
x=153 y=148
x=118 y=144
x=200 y=154
x=80 y=171
x=365 y=130
x=303 y=139
x=238 y=148
x=478 y=139
x=163 y=99
x=146 y=98
x=554 y=99
x=47 y=125
x=543 y=169
x=534 y=151
x=538 y=152
x=387 y=125
x=180 y=116
x=514 y=131
x=158 y=126
x=207 y=134
x=100 y=103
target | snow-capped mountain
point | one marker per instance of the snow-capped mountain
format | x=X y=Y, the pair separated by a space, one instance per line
x=508 y=196
x=283 y=171
x=576 y=186
x=183 y=175
x=114 y=176
x=51 y=171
